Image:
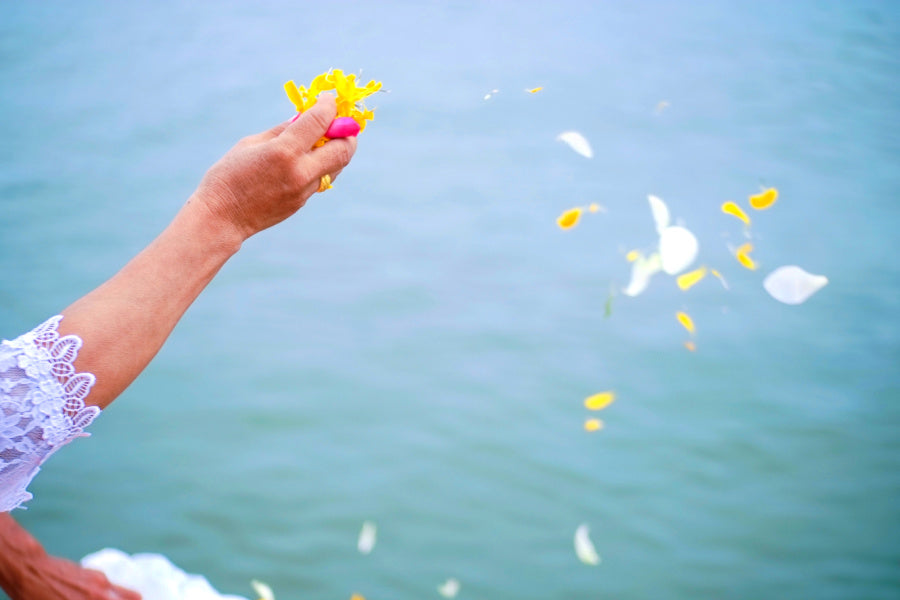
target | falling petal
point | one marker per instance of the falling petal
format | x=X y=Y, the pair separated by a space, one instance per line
x=641 y=271
x=686 y=321
x=633 y=255
x=718 y=276
x=689 y=280
x=569 y=219
x=792 y=285
x=690 y=346
x=678 y=248
x=593 y=425
x=743 y=256
x=367 y=537
x=576 y=142
x=584 y=548
x=660 y=213
x=764 y=200
x=534 y=90
x=489 y=94
x=661 y=106
x=730 y=208
x=357 y=597
x=599 y=401
x=594 y=207
x=262 y=590
x=449 y=589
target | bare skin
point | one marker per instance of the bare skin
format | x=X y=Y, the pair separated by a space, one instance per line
x=263 y=180
x=29 y=573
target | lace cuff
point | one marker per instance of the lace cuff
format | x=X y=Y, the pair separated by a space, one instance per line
x=41 y=405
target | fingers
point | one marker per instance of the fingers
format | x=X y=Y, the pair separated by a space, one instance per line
x=332 y=157
x=123 y=594
x=301 y=134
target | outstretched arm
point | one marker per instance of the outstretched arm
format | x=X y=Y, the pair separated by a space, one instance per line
x=263 y=180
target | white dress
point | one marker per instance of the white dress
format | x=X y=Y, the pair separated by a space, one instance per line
x=41 y=405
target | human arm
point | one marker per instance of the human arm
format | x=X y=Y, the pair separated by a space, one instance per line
x=27 y=572
x=260 y=182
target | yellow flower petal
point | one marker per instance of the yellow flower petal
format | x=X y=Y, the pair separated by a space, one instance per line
x=686 y=321
x=357 y=597
x=743 y=256
x=633 y=255
x=535 y=90
x=599 y=401
x=594 y=207
x=730 y=208
x=294 y=95
x=764 y=200
x=569 y=218
x=690 y=346
x=593 y=425
x=691 y=278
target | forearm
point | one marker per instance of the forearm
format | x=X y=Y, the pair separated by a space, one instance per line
x=124 y=322
x=17 y=549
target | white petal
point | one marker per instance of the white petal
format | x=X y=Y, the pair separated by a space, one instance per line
x=642 y=269
x=584 y=548
x=367 y=537
x=262 y=590
x=792 y=285
x=577 y=142
x=660 y=213
x=678 y=248
x=449 y=588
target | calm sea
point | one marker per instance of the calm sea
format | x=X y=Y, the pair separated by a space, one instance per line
x=414 y=348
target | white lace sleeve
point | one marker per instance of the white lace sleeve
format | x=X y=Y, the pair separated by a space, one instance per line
x=41 y=405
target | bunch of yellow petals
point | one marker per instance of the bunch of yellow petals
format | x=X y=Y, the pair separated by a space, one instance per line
x=350 y=96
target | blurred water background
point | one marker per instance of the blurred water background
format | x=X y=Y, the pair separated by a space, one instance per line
x=414 y=348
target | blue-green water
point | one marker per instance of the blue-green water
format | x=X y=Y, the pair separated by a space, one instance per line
x=415 y=346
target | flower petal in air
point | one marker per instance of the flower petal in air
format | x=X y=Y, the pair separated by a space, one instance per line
x=721 y=279
x=591 y=425
x=743 y=256
x=584 y=548
x=367 y=537
x=678 y=248
x=576 y=142
x=689 y=280
x=642 y=269
x=534 y=90
x=764 y=199
x=730 y=208
x=686 y=321
x=792 y=285
x=449 y=589
x=660 y=213
x=569 y=219
x=599 y=401
x=262 y=590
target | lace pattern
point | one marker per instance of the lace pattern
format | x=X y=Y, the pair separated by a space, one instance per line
x=41 y=405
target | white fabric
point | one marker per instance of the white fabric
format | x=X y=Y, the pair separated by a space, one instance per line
x=41 y=405
x=153 y=576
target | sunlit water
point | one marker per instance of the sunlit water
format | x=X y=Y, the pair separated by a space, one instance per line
x=415 y=347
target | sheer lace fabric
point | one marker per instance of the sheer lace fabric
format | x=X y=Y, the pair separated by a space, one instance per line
x=41 y=405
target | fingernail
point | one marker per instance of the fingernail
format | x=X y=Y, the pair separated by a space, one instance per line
x=342 y=127
x=297 y=116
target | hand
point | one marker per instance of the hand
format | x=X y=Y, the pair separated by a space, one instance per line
x=51 y=578
x=267 y=177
